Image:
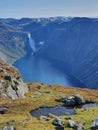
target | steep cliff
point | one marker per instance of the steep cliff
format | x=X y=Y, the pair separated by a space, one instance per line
x=12 y=43
x=76 y=45
x=11 y=83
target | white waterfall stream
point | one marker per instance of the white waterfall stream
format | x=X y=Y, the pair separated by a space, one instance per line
x=32 y=43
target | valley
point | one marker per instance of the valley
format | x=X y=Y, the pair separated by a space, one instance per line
x=68 y=44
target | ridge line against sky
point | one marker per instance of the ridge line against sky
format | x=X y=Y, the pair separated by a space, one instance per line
x=48 y=8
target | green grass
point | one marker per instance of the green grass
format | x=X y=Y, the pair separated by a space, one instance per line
x=19 y=116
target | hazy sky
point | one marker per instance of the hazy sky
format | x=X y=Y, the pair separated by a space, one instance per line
x=47 y=8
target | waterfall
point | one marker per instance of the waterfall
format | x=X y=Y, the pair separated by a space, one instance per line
x=32 y=43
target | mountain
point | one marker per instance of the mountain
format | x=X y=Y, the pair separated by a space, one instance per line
x=69 y=43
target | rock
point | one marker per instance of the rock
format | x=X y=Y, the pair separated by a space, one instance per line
x=3 y=110
x=1 y=70
x=17 y=91
x=1 y=86
x=71 y=123
x=3 y=95
x=58 y=122
x=8 y=128
x=12 y=93
x=74 y=100
x=51 y=115
x=39 y=87
x=70 y=101
x=94 y=125
x=59 y=128
x=63 y=99
x=67 y=113
x=79 y=127
x=78 y=100
x=47 y=91
x=11 y=82
x=45 y=118
x=8 y=77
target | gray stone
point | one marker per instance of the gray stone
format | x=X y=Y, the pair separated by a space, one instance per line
x=78 y=99
x=94 y=125
x=1 y=86
x=3 y=110
x=58 y=121
x=70 y=101
x=45 y=118
x=71 y=123
x=74 y=100
x=12 y=93
x=19 y=92
x=1 y=70
x=79 y=127
x=8 y=128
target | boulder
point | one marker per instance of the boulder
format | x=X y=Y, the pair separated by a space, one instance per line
x=1 y=70
x=79 y=127
x=3 y=110
x=94 y=125
x=71 y=123
x=58 y=121
x=74 y=100
x=11 y=82
x=78 y=100
x=12 y=93
x=16 y=92
x=70 y=101
x=8 y=128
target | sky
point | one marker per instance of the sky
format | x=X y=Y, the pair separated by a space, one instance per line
x=48 y=8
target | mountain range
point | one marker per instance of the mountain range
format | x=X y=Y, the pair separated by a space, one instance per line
x=70 y=43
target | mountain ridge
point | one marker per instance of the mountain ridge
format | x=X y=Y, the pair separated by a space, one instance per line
x=72 y=40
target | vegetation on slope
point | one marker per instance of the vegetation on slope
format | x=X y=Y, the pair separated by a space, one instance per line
x=19 y=116
x=40 y=95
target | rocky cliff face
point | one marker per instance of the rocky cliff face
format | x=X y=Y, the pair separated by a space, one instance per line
x=12 y=43
x=11 y=83
x=66 y=40
x=77 y=46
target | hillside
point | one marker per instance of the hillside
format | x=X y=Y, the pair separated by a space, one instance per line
x=12 y=43
x=15 y=112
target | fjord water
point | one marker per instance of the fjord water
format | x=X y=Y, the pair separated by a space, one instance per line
x=35 y=68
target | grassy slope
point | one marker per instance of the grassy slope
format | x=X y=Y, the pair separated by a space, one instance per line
x=19 y=116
